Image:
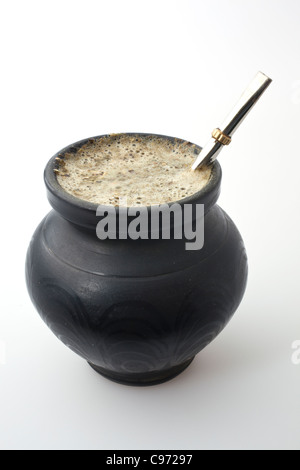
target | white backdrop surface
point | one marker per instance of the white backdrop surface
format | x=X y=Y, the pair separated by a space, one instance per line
x=73 y=69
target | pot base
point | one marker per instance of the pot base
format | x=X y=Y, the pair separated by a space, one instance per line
x=143 y=380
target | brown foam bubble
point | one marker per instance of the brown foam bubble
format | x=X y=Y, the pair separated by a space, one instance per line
x=146 y=170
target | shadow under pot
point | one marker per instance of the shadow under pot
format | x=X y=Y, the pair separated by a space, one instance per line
x=138 y=311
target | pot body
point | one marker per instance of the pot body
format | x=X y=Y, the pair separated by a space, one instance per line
x=137 y=310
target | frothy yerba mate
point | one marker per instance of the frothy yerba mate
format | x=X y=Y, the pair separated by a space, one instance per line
x=146 y=170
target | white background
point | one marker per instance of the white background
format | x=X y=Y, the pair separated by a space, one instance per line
x=74 y=69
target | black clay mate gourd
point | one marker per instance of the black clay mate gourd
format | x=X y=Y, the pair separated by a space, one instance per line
x=137 y=310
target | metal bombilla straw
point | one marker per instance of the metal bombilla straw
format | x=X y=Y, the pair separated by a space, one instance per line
x=222 y=136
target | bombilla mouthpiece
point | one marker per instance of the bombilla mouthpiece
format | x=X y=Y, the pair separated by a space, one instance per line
x=222 y=136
